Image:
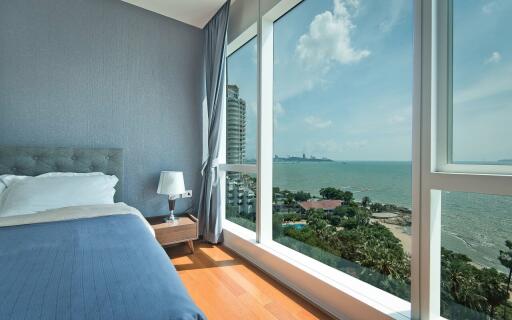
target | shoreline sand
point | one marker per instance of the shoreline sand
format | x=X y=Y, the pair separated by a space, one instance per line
x=400 y=234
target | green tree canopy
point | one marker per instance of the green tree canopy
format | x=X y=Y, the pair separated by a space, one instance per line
x=336 y=194
x=302 y=196
x=506 y=260
x=493 y=288
x=365 y=201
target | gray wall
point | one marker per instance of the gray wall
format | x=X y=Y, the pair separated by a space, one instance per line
x=103 y=73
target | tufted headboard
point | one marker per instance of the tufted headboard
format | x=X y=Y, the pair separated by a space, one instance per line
x=33 y=161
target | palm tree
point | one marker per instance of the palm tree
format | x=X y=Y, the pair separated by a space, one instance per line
x=289 y=202
x=506 y=260
x=365 y=201
x=491 y=286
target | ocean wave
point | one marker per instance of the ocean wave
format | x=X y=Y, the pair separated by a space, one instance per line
x=461 y=238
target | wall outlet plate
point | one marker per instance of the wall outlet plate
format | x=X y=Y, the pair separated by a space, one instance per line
x=187 y=194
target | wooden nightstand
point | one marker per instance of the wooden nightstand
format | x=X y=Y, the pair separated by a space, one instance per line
x=183 y=229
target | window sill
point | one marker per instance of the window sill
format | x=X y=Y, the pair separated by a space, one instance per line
x=336 y=292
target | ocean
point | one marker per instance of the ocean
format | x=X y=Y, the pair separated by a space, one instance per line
x=473 y=224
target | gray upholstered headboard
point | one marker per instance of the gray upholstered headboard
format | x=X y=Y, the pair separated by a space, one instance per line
x=33 y=161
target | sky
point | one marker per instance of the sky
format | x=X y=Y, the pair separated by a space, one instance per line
x=343 y=72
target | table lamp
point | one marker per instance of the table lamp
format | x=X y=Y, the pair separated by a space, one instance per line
x=171 y=184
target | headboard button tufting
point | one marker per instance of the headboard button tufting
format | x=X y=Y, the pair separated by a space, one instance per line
x=32 y=161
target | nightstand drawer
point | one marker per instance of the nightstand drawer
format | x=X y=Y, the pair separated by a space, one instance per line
x=183 y=229
x=176 y=234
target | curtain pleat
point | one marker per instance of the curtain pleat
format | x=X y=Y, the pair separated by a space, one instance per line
x=210 y=222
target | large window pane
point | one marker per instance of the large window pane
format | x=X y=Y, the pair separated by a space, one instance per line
x=476 y=259
x=241 y=199
x=241 y=105
x=342 y=137
x=482 y=81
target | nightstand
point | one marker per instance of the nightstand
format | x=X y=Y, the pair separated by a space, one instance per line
x=183 y=229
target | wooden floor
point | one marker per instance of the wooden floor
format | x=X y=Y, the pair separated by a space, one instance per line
x=225 y=286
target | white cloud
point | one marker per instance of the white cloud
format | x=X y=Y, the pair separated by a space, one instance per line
x=329 y=38
x=396 y=119
x=396 y=7
x=357 y=144
x=278 y=109
x=278 y=112
x=323 y=148
x=494 y=58
x=488 y=8
x=334 y=148
x=401 y=116
x=497 y=81
x=251 y=105
x=317 y=122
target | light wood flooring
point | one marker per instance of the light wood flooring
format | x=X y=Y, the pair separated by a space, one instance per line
x=226 y=286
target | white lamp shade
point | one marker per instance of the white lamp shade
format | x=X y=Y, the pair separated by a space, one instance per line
x=171 y=183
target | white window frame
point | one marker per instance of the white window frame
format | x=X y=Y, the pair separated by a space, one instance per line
x=224 y=167
x=438 y=173
x=432 y=172
x=443 y=72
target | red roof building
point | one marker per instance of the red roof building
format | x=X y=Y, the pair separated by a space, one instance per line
x=326 y=205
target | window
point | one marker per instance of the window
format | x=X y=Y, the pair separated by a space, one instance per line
x=390 y=160
x=241 y=199
x=482 y=85
x=241 y=105
x=240 y=141
x=469 y=227
x=342 y=138
x=476 y=258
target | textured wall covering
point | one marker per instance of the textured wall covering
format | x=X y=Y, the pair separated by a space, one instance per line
x=102 y=73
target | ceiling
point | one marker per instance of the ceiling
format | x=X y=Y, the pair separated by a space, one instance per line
x=193 y=12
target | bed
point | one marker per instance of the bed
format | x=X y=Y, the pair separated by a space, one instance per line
x=96 y=261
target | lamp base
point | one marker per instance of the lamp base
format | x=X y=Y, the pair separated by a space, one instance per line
x=171 y=217
x=172 y=205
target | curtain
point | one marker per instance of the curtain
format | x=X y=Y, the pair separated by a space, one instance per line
x=210 y=223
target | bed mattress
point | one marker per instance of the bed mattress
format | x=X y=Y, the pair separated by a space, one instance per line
x=88 y=266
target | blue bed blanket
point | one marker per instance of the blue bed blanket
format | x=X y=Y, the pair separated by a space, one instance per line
x=109 y=267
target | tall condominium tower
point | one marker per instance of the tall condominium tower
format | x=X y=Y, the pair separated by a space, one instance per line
x=236 y=123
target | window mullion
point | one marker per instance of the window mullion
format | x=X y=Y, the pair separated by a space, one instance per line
x=423 y=296
x=265 y=132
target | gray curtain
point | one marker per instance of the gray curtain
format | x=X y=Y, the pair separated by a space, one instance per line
x=210 y=223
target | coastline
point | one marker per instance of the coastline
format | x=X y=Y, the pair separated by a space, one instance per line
x=400 y=234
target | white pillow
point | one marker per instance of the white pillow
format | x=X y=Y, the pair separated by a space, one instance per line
x=70 y=174
x=34 y=194
x=8 y=179
x=2 y=186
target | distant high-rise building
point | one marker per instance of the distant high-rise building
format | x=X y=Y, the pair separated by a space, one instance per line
x=240 y=189
x=236 y=123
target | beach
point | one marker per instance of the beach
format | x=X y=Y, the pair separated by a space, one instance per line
x=400 y=233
